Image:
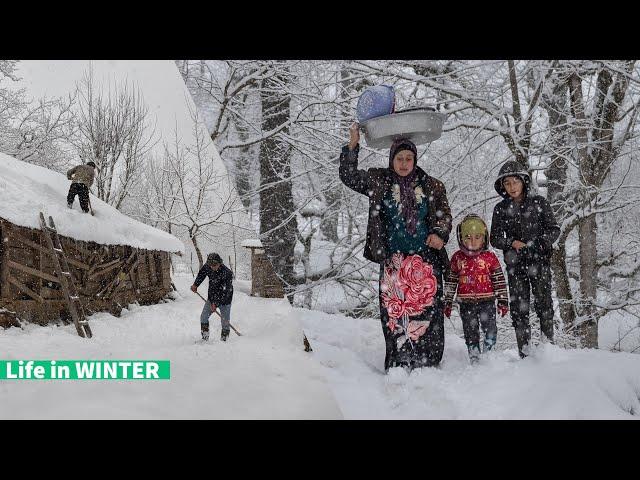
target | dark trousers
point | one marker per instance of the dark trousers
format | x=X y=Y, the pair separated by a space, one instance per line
x=428 y=350
x=82 y=191
x=526 y=278
x=475 y=316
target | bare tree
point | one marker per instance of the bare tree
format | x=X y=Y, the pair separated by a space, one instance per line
x=277 y=226
x=114 y=131
x=597 y=150
x=189 y=194
x=34 y=131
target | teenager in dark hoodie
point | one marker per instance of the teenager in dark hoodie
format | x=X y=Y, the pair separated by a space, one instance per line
x=409 y=215
x=524 y=228
x=220 y=294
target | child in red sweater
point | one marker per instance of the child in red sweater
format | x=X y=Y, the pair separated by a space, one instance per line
x=477 y=276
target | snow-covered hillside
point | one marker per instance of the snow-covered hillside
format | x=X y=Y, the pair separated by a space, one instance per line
x=553 y=383
x=265 y=374
x=27 y=189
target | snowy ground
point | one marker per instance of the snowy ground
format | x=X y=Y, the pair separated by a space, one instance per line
x=619 y=332
x=553 y=383
x=265 y=374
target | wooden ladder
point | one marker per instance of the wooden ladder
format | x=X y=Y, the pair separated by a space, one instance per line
x=64 y=275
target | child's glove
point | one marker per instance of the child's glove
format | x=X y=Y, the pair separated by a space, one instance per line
x=503 y=308
x=447 y=309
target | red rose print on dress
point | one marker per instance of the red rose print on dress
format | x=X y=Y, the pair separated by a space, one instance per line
x=416 y=329
x=393 y=323
x=395 y=307
x=407 y=288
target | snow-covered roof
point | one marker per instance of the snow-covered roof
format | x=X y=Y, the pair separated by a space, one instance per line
x=26 y=190
x=252 y=243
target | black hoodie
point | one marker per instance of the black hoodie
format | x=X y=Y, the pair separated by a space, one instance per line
x=220 y=283
x=530 y=221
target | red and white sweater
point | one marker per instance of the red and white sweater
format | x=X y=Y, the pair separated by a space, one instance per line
x=477 y=278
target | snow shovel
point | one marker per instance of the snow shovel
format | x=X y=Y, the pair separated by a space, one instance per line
x=216 y=312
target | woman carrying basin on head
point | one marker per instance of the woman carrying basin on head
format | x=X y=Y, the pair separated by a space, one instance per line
x=409 y=224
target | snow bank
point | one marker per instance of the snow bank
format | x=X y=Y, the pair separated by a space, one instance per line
x=617 y=331
x=331 y=296
x=265 y=374
x=552 y=383
x=27 y=189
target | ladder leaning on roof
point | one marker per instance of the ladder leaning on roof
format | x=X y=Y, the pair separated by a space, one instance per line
x=64 y=275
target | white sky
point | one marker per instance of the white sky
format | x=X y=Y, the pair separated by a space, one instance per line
x=159 y=81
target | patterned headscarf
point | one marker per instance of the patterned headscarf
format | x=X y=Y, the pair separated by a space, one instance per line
x=407 y=194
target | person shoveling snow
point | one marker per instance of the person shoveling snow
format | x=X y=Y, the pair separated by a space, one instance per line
x=220 y=294
x=81 y=177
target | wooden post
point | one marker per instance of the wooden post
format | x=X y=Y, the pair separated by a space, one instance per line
x=4 y=231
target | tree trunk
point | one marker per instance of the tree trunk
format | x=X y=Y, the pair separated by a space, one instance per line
x=517 y=142
x=587 y=231
x=306 y=260
x=278 y=224
x=194 y=240
x=556 y=173
x=242 y=176
x=243 y=163
x=329 y=222
x=588 y=328
x=563 y=288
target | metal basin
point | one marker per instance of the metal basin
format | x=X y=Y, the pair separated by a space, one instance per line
x=420 y=125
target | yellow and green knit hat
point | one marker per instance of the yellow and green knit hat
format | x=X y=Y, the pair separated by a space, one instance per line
x=472 y=224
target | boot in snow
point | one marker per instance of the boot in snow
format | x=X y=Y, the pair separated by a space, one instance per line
x=488 y=344
x=545 y=339
x=224 y=335
x=523 y=337
x=204 y=328
x=474 y=353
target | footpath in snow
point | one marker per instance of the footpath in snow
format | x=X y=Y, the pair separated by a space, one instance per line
x=553 y=383
x=265 y=374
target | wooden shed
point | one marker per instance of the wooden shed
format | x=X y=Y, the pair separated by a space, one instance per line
x=264 y=281
x=107 y=276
